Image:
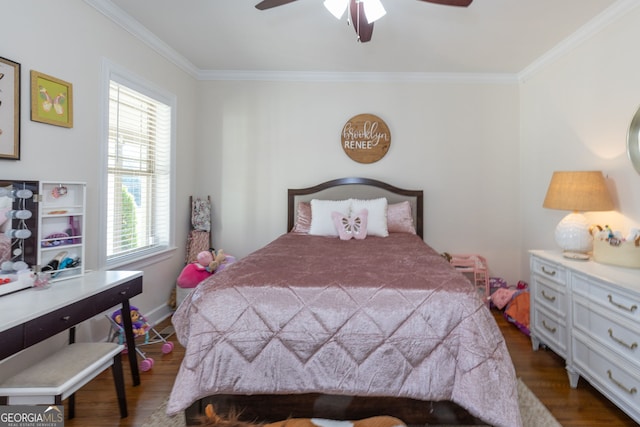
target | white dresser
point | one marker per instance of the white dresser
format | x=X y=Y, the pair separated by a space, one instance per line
x=589 y=313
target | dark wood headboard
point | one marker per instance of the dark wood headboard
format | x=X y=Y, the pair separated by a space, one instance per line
x=362 y=188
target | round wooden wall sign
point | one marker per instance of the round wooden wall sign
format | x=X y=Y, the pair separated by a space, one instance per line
x=366 y=138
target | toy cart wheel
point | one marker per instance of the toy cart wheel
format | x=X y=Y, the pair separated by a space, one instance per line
x=146 y=364
x=167 y=347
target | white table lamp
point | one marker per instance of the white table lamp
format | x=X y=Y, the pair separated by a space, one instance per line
x=577 y=191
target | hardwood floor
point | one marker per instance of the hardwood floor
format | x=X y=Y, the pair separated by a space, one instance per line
x=542 y=371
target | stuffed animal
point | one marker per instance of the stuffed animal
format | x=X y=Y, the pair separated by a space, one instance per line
x=136 y=320
x=213 y=419
x=208 y=262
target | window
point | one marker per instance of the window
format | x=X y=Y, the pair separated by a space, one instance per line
x=138 y=182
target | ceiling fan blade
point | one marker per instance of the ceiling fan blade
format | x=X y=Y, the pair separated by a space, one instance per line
x=461 y=3
x=268 y=4
x=363 y=28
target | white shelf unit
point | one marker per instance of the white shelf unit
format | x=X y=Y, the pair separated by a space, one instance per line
x=61 y=227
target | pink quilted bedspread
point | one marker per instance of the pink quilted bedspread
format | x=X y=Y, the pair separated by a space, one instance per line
x=374 y=317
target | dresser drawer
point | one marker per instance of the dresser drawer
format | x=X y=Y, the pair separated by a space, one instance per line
x=549 y=270
x=620 y=337
x=56 y=321
x=551 y=330
x=613 y=299
x=620 y=382
x=550 y=295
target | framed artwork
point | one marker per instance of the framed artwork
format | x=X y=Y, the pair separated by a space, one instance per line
x=51 y=100
x=9 y=109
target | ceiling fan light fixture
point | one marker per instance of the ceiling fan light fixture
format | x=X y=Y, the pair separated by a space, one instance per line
x=373 y=10
x=362 y=13
x=336 y=7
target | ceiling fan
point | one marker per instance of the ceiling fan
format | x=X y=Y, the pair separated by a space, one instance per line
x=359 y=11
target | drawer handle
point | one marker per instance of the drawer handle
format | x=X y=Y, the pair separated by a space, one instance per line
x=621 y=342
x=617 y=304
x=65 y=318
x=548 y=328
x=549 y=272
x=123 y=292
x=619 y=384
x=548 y=297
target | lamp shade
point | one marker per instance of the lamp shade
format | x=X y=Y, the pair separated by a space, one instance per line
x=578 y=191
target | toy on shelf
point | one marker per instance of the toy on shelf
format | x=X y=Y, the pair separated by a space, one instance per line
x=141 y=329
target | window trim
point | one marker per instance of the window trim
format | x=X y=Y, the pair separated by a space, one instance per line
x=111 y=71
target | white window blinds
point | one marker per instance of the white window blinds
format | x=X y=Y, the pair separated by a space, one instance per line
x=138 y=175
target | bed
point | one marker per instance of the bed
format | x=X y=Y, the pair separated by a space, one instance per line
x=343 y=315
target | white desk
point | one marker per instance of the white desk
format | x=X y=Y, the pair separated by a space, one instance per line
x=30 y=316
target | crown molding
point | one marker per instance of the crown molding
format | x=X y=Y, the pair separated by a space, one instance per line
x=359 y=77
x=588 y=30
x=117 y=15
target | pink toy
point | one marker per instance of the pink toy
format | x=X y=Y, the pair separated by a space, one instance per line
x=208 y=262
x=191 y=275
x=205 y=258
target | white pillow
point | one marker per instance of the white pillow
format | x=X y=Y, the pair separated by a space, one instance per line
x=377 y=220
x=321 y=220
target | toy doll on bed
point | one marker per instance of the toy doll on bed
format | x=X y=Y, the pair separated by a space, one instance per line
x=208 y=262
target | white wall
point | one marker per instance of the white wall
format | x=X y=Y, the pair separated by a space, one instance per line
x=576 y=113
x=457 y=141
x=67 y=39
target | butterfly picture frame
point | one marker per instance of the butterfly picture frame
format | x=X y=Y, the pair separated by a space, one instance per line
x=51 y=100
x=9 y=109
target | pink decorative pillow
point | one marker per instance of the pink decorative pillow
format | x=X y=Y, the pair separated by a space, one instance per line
x=303 y=218
x=502 y=296
x=191 y=276
x=354 y=226
x=400 y=218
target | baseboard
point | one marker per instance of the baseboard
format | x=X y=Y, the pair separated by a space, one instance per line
x=158 y=314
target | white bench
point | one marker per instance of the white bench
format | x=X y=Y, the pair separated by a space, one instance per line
x=60 y=375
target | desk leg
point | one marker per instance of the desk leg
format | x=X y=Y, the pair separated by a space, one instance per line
x=131 y=342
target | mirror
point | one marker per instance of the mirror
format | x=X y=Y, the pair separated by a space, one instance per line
x=18 y=224
x=633 y=141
